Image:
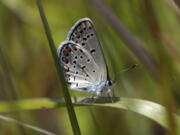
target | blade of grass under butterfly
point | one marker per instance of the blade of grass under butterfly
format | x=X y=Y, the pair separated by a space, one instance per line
x=151 y=110
x=71 y=112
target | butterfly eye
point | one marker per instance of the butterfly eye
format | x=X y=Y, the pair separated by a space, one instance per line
x=110 y=82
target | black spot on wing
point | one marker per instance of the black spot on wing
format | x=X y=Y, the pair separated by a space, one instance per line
x=84 y=39
x=83 y=67
x=92 y=51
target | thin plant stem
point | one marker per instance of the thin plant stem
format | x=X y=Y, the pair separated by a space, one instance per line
x=69 y=105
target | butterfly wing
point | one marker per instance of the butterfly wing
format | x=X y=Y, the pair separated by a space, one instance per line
x=84 y=34
x=80 y=68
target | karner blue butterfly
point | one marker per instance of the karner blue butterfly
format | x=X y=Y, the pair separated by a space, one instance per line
x=82 y=60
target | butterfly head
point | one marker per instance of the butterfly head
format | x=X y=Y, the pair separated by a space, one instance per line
x=109 y=83
x=107 y=86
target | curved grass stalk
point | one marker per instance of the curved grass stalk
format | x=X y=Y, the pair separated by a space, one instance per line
x=151 y=110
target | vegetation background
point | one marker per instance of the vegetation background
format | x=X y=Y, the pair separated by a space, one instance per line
x=27 y=69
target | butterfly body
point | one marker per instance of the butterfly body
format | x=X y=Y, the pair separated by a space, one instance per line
x=82 y=60
x=99 y=88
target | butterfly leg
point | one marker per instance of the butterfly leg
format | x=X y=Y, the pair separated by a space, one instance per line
x=93 y=97
x=110 y=95
x=112 y=92
x=90 y=99
x=75 y=99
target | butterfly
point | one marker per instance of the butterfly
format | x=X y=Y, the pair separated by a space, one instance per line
x=82 y=60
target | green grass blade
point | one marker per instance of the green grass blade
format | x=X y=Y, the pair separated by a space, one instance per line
x=71 y=112
x=148 y=109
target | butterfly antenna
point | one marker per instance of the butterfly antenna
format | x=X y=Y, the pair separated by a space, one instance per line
x=124 y=70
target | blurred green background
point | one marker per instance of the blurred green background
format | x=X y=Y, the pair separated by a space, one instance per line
x=27 y=69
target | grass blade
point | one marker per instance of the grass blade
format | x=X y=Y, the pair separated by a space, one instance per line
x=71 y=112
x=151 y=110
